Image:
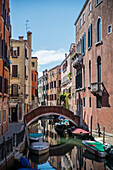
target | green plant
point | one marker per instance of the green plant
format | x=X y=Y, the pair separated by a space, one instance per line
x=69 y=75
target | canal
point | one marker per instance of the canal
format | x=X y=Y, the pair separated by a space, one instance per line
x=66 y=153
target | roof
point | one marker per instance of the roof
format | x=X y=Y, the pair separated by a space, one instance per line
x=54 y=67
x=81 y=11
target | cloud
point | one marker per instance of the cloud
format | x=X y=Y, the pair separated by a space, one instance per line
x=47 y=59
x=49 y=56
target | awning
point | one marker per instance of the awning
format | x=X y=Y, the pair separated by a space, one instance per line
x=12 y=104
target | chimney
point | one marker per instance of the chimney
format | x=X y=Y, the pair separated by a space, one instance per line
x=29 y=38
x=43 y=73
x=65 y=55
x=21 y=38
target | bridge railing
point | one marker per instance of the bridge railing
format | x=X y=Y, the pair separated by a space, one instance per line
x=6 y=147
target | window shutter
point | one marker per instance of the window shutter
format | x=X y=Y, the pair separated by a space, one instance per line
x=81 y=45
x=18 y=51
x=0 y=83
x=11 y=51
x=14 y=70
x=99 y=29
x=0 y=47
x=84 y=41
x=87 y=37
x=90 y=35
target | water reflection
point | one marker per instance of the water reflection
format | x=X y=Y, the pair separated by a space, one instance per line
x=66 y=154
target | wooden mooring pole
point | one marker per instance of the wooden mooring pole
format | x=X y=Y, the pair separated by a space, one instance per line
x=103 y=135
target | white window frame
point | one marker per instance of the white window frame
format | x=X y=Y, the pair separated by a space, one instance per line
x=89 y=7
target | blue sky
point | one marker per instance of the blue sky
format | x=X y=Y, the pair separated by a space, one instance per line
x=52 y=25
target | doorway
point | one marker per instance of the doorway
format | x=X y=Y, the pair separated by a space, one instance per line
x=14 y=114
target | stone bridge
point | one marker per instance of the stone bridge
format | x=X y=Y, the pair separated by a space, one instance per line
x=51 y=110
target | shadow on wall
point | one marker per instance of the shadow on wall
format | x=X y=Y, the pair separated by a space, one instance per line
x=105 y=98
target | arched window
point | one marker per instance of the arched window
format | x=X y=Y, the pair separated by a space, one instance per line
x=99 y=30
x=99 y=69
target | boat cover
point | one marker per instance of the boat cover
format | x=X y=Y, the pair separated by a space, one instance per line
x=35 y=135
x=79 y=131
x=96 y=145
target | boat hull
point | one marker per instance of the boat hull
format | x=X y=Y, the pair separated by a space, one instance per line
x=94 y=151
x=39 y=148
x=39 y=152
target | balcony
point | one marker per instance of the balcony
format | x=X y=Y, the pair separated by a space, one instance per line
x=97 y=88
x=77 y=60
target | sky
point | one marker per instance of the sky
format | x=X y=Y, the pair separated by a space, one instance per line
x=52 y=25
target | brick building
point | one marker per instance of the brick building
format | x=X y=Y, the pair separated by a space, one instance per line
x=93 y=64
x=20 y=78
x=4 y=64
x=54 y=85
x=34 y=82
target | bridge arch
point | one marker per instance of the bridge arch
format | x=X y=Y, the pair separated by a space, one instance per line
x=51 y=110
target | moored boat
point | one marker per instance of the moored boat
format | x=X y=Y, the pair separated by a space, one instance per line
x=39 y=148
x=95 y=148
x=81 y=133
x=35 y=136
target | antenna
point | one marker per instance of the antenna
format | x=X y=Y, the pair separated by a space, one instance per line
x=27 y=27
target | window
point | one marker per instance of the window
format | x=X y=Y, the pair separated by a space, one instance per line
x=76 y=29
x=0 y=83
x=4 y=116
x=51 y=85
x=109 y=29
x=99 y=69
x=99 y=30
x=84 y=101
x=55 y=96
x=80 y=22
x=6 y=86
x=14 y=70
x=99 y=101
x=0 y=116
x=59 y=71
x=83 y=43
x=89 y=7
x=83 y=18
x=89 y=101
x=33 y=64
x=15 y=51
x=98 y=1
x=14 y=90
x=55 y=84
x=35 y=77
x=55 y=71
x=79 y=79
x=32 y=78
x=89 y=36
x=36 y=92
x=26 y=53
x=89 y=72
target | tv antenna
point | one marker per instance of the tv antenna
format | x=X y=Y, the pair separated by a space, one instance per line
x=27 y=23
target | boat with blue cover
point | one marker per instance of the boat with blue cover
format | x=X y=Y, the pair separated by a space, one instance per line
x=35 y=136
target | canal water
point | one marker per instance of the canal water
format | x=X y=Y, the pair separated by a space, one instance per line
x=65 y=154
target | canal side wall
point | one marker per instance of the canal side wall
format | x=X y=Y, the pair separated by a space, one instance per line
x=8 y=160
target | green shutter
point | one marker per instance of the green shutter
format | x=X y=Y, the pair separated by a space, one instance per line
x=90 y=35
